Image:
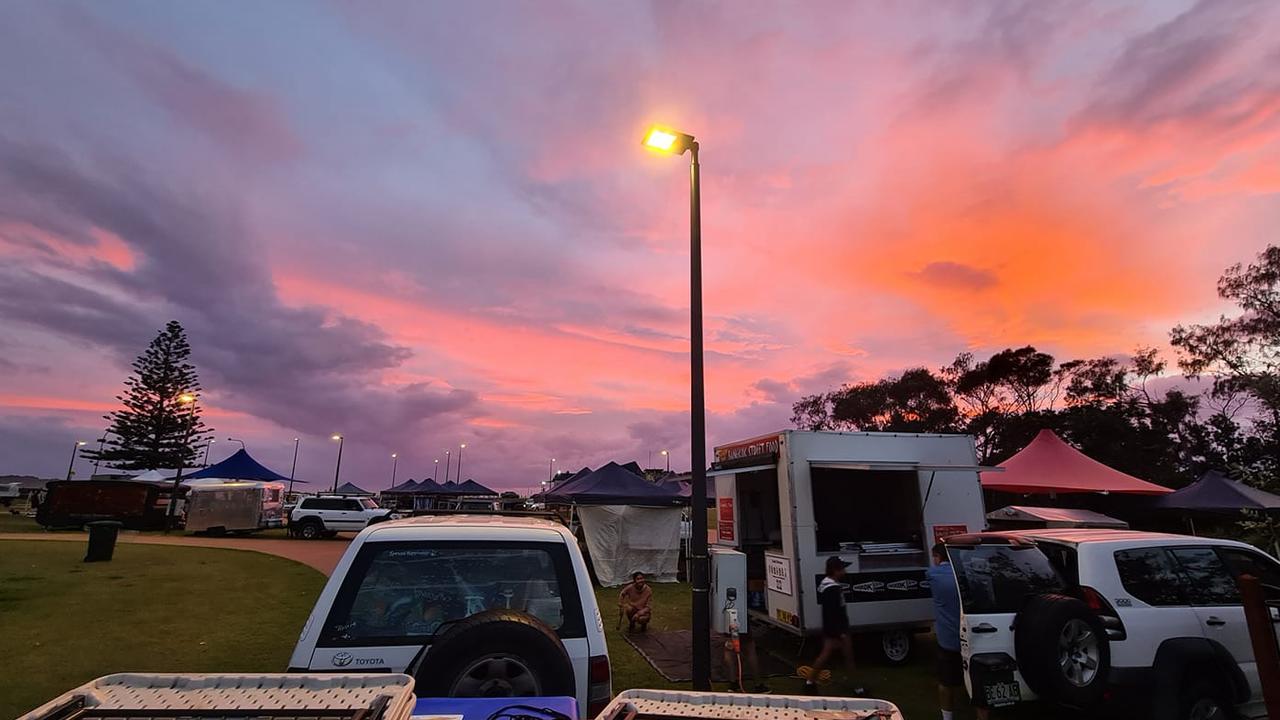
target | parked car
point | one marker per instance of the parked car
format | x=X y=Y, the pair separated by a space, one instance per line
x=469 y=605
x=1083 y=616
x=326 y=516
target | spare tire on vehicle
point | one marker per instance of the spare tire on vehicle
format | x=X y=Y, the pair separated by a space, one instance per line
x=495 y=653
x=1063 y=651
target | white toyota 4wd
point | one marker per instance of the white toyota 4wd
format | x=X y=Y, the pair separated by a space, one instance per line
x=326 y=516
x=1129 y=619
x=469 y=605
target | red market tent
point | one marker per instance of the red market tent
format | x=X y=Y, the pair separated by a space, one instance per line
x=1049 y=465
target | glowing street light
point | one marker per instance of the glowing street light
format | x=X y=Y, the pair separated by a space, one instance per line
x=461 y=447
x=673 y=142
x=551 y=470
x=436 y=472
x=337 y=468
x=395 y=460
x=210 y=441
x=74 y=449
x=190 y=400
x=667 y=455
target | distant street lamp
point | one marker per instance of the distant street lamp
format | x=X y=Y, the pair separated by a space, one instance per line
x=206 y=451
x=667 y=455
x=676 y=143
x=242 y=447
x=293 y=468
x=435 y=473
x=74 y=449
x=395 y=460
x=461 y=447
x=447 y=464
x=551 y=470
x=337 y=468
x=190 y=401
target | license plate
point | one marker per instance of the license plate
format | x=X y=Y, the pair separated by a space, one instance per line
x=999 y=694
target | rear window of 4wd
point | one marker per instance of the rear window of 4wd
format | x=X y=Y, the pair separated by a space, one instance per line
x=407 y=592
x=999 y=578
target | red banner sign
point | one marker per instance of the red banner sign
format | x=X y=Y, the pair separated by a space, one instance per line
x=725 y=520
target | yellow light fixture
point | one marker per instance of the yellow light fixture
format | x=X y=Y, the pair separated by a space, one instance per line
x=186 y=398
x=336 y=436
x=666 y=140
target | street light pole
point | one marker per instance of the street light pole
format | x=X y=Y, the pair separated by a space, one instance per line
x=395 y=460
x=242 y=445
x=551 y=470
x=461 y=447
x=102 y=441
x=447 y=464
x=211 y=441
x=676 y=143
x=293 y=468
x=436 y=472
x=337 y=468
x=74 y=449
x=189 y=400
x=667 y=455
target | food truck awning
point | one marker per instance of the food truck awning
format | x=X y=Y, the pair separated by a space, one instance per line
x=734 y=471
x=895 y=465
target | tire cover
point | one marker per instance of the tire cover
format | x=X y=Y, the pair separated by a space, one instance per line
x=496 y=632
x=1038 y=627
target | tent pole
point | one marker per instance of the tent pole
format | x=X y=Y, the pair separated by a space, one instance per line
x=1191 y=521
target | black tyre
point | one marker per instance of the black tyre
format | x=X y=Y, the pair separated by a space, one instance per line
x=1203 y=700
x=496 y=653
x=895 y=646
x=1062 y=649
x=310 y=530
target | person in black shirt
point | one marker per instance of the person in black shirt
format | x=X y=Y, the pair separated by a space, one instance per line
x=835 y=625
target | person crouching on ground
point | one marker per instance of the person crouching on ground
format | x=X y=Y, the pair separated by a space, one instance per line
x=946 y=615
x=835 y=626
x=635 y=602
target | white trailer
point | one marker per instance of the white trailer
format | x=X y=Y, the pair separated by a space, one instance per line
x=223 y=506
x=791 y=499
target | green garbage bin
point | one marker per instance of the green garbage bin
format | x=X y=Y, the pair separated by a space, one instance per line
x=102 y=540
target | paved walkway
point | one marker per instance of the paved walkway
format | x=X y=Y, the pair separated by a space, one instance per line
x=322 y=555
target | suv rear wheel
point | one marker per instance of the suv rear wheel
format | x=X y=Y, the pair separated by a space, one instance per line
x=310 y=529
x=1062 y=650
x=496 y=653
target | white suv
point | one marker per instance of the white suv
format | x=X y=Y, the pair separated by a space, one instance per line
x=470 y=605
x=1082 y=617
x=326 y=516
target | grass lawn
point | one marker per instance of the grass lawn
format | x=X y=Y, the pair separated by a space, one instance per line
x=912 y=687
x=153 y=608
x=10 y=523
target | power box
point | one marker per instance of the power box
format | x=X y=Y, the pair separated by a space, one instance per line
x=728 y=590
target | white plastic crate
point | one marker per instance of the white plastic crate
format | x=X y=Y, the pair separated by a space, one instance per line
x=276 y=695
x=734 y=706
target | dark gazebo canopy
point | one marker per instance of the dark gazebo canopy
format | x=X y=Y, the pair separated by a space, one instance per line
x=1215 y=492
x=408 y=486
x=615 y=484
x=471 y=487
x=240 y=466
x=351 y=489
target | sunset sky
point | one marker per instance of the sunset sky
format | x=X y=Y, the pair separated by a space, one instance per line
x=427 y=223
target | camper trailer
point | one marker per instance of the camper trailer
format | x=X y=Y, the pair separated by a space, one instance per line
x=235 y=506
x=790 y=500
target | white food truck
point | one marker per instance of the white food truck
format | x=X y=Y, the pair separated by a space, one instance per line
x=791 y=499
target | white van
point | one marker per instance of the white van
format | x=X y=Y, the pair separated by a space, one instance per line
x=470 y=605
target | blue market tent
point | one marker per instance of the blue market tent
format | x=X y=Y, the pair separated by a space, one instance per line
x=1215 y=492
x=471 y=487
x=240 y=466
x=408 y=486
x=614 y=484
x=351 y=489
